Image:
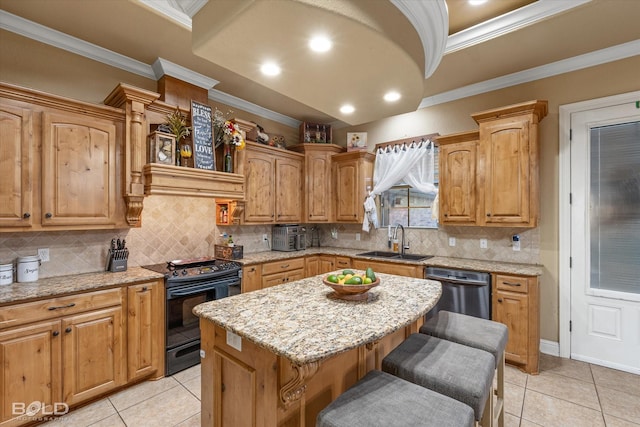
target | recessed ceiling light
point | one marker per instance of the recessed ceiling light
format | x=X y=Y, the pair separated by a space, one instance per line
x=477 y=2
x=320 y=44
x=270 y=69
x=391 y=96
x=347 y=109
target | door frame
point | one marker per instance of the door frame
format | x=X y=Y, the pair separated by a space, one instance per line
x=564 y=206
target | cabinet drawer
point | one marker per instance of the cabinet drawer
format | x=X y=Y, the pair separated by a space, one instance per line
x=284 y=265
x=343 y=262
x=20 y=314
x=512 y=283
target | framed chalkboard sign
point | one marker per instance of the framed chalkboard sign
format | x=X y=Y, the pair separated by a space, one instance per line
x=204 y=156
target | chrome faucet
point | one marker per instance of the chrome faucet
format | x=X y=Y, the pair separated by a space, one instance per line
x=395 y=236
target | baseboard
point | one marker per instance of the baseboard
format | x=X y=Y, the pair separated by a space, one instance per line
x=550 y=347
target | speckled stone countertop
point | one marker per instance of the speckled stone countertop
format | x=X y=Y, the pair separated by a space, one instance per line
x=437 y=261
x=61 y=285
x=300 y=321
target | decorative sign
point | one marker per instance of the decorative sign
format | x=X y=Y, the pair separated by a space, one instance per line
x=202 y=135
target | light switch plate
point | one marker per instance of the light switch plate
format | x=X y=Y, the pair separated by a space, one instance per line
x=452 y=241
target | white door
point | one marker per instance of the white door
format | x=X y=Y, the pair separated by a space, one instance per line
x=605 y=236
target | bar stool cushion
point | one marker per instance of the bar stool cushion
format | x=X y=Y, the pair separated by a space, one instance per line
x=455 y=370
x=380 y=399
x=468 y=330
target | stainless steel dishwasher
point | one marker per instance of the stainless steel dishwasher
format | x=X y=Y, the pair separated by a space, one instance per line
x=466 y=292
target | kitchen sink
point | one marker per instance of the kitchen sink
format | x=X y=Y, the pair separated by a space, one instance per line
x=395 y=255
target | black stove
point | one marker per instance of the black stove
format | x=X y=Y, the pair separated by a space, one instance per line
x=182 y=270
x=190 y=282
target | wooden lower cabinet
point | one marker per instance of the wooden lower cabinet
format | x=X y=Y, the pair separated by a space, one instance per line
x=280 y=272
x=319 y=264
x=399 y=269
x=251 y=278
x=73 y=348
x=516 y=304
x=145 y=330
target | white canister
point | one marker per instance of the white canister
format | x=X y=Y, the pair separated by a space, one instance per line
x=6 y=274
x=27 y=268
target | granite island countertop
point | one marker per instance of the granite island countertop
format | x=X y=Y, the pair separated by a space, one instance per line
x=302 y=322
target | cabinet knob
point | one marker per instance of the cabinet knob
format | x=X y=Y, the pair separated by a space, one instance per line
x=55 y=333
x=68 y=330
x=446 y=215
x=144 y=289
x=26 y=215
x=499 y=299
x=48 y=215
x=488 y=214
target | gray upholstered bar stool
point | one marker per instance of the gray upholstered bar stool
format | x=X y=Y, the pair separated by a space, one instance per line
x=382 y=400
x=479 y=333
x=455 y=370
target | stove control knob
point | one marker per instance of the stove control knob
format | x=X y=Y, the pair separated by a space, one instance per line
x=184 y=272
x=174 y=274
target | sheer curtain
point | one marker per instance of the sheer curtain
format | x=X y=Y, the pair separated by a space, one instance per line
x=412 y=164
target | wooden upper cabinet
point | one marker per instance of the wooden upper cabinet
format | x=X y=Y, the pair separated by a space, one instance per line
x=353 y=172
x=78 y=170
x=458 y=158
x=273 y=185
x=318 y=191
x=16 y=179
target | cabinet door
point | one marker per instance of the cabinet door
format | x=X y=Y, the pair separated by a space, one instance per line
x=289 y=190
x=145 y=329
x=31 y=367
x=260 y=188
x=236 y=384
x=78 y=170
x=504 y=151
x=16 y=164
x=347 y=200
x=510 y=308
x=458 y=183
x=319 y=194
x=312 y=266
x=94 y=359
x=327 y=264
x=251 y=278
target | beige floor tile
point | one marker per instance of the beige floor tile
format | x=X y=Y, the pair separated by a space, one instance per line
x=165 y=409
x=527 y=423
x=193 y=385
x=612 y=421
x=139 y=392
x=187 y=374
x=565 y=388
x=549 y=411
x=513 y=399
x=515 y=376
x=85 y=415
x=567 y=367
x=620 y=404
x=617 y=380
x=511 y=420
x=193 y=421
x=112 y=421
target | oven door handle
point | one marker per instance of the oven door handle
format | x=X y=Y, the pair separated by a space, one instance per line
x=200 y=288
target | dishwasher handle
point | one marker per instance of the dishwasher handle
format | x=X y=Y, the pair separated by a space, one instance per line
x=457 y=280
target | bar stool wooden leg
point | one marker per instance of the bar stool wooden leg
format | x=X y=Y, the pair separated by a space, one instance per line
x=498 y=411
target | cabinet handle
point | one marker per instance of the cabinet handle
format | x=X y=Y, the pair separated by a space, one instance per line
x=499 y=299
x=488 y=214
x=73 y=304
x=144 y=289
x=252 y=269
x=284 y=266
x=55 y=333
x=510 y=284
x=68 y=330
x=26 y=215
x=48 y=215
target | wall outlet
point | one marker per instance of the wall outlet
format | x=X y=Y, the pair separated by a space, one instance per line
x=43 y=254
x=483 y=243
x=452 y=241
x=515 y=242
x=358 y=237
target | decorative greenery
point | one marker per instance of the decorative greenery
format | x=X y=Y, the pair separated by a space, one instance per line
x=226 y=131
x=177 y=123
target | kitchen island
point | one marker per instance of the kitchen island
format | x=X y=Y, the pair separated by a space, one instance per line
x=277 y=356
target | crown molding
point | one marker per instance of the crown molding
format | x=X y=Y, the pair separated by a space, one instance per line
x=249 y=107
x=170 y=10
x=598 y=57
x=163 y=66
x=431 y=20
x=55 y=38
x=509 y=22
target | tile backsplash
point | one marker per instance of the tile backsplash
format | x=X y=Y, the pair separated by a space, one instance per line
x=184 y=227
